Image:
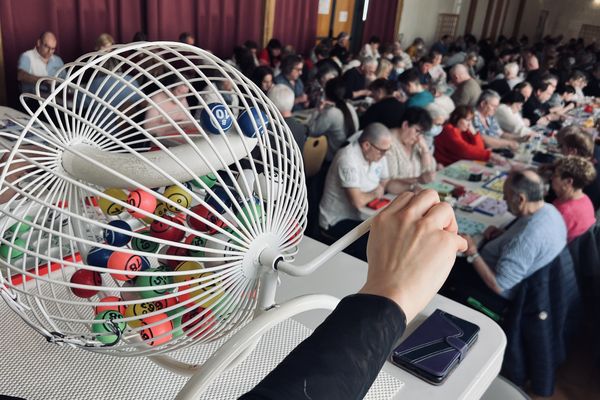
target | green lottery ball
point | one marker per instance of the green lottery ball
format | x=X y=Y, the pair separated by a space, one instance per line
x=15 y=253
x=146 y=245
x=21 y=227
x=209 y=180
x=107 y=320
x=177 y=331
x=194 y=240
x=251 y=212
x=149 y=282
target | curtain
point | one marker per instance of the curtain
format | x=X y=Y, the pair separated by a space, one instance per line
x=381 y=18
x=296 y=23
x=76 y=24
x=217 y=25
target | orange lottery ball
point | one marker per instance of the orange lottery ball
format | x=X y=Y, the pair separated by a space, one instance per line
x=142 y=200
x=120 y=261
x=120 y=308
x=163 y=328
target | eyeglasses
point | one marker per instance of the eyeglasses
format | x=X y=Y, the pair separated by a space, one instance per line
x=379 y=149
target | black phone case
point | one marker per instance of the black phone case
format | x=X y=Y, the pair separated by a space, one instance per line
x=436 y=347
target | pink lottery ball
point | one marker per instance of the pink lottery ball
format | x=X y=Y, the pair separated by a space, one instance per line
x=120 y=261
x=142 y=200
x=163 y=328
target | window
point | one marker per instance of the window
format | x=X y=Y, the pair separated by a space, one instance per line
x=446 y=25
x=590 y=33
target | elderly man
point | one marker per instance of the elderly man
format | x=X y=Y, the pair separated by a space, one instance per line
x=467 y=89
x=486 y=124
x=537 y=236
x=291 y=69
x=504 y=85
x=38 y=62
x=283 y=98
x=358 y=79
x=357 y=176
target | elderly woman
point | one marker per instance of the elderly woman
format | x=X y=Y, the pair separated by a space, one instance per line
x=571 y=175
x=509 y=115
x=439 y=116
x=315 y=89
x=486 y=124
x=460 y=141
x=504 y=85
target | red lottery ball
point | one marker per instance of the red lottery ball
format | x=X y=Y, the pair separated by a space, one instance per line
x=166 y=231
x=174 y=251
x=120 y=308
x=163 y=328
x=201 y=211
x=200 y=326
x=86 y=277
x=142 y=200
x=120 y=261
x=165 y=303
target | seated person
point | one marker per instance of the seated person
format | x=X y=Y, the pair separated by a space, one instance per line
x=571 y=175
x=384 y=69
x=578 y=80
x=315 y=89
x=460 y=141
x=358 y=78
x=409 y=159
x=410 y=83
x=104 y=42
x=486 y=124
x=504 y=85
x=387 y=109
x=537 y=109
x=509 y=115
x=262 y=77
x=537 y=237
x=291 y=69
x=593 y=87
x=563 y=100
x=371 y=49
x=425 y=65
x=439 y=117
x=467 y=89
x=283 y=99
x=441 y=99
x=38 y=62
x=335 y=118
x=357 y=176
x=169 y=104
x=437 y=73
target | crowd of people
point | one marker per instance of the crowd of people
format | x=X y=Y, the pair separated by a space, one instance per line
x=394 y=117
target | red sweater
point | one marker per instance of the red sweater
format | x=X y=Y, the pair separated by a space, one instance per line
x=453 y=145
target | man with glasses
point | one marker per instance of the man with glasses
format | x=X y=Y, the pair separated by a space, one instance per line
x=38 y=62
x=486 y=124
x=357 y=176
x=291 y=69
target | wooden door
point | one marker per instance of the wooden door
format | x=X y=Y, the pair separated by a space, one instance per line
x=343 y=13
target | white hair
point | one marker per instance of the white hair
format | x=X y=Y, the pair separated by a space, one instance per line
x=511 y=67
x=437 y=111
x=283 y=97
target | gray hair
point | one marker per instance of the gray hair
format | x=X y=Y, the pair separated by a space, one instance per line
x=368 y=60
x=528 y=183
x=459 y=69
x=511 y=67
x=374 y=133
x=283 y=97
x=487 y=95
x=437 y=111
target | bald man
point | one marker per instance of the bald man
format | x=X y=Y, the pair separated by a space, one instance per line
x=38 y=62
x=467 y=89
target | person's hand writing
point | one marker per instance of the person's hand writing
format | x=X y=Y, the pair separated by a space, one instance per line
x=412 y=247
x=379 y=191
x=492 y=232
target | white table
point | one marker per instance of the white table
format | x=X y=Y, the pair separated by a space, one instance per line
x=344 y=275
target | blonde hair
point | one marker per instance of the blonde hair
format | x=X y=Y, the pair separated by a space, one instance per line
x=580 y=170
x=384 y=68
x=104 y=40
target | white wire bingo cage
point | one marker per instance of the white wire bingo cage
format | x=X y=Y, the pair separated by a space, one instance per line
x=149 y=205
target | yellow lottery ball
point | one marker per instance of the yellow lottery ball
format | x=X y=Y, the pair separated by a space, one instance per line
x=206 y=300
x=178 y=195
x=108 y=206
x=192 y=266
x=137 y=310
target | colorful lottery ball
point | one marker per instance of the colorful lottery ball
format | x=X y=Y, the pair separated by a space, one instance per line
x=173 y=251
x=137 y=311
x=142 y=200
x=194 y=268
x=160 y=210
x=86 y=277
x=248 y=118
x=176 y=315
x=201 y=211
x=209 y=286
x=159 y=333
x=252 y=212
x=98 y=257
x=21 y=227
x=198 y=241
x=143 y=244
x=179 y=196
x=148 y=285
x=106 y=325
x=166 y=302
x=209 y=180
x=10 y=252
x=219 y=194
x=220 y=248
x=108 y=205
x=122 y=264
x=216 y=117
x=115 y=238
x=197 y=322
x=165 y=231
x=120 y=308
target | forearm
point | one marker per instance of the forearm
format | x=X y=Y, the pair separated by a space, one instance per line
x=361 y=199
x=397 y=186
x=26 y=77
x=487 y=275
x=343 y=356
x=494 y=142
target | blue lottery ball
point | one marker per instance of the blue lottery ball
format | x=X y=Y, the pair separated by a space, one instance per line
x=145 y=263
x=98 y=257
x=245 y=122
x=221 y=119
x=221 y=194
x=115 y=238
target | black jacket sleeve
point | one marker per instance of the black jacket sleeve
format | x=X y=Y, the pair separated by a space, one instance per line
x=342 y=357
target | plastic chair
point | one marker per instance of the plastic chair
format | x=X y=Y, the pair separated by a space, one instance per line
x=313 y=154
x=503 y=389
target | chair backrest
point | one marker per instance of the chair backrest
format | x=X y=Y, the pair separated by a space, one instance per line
x=314 y=152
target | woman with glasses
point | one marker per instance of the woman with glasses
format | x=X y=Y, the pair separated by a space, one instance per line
x=291 y=69
x=460 y=141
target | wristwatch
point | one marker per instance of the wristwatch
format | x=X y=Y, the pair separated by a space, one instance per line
x=472 y=258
